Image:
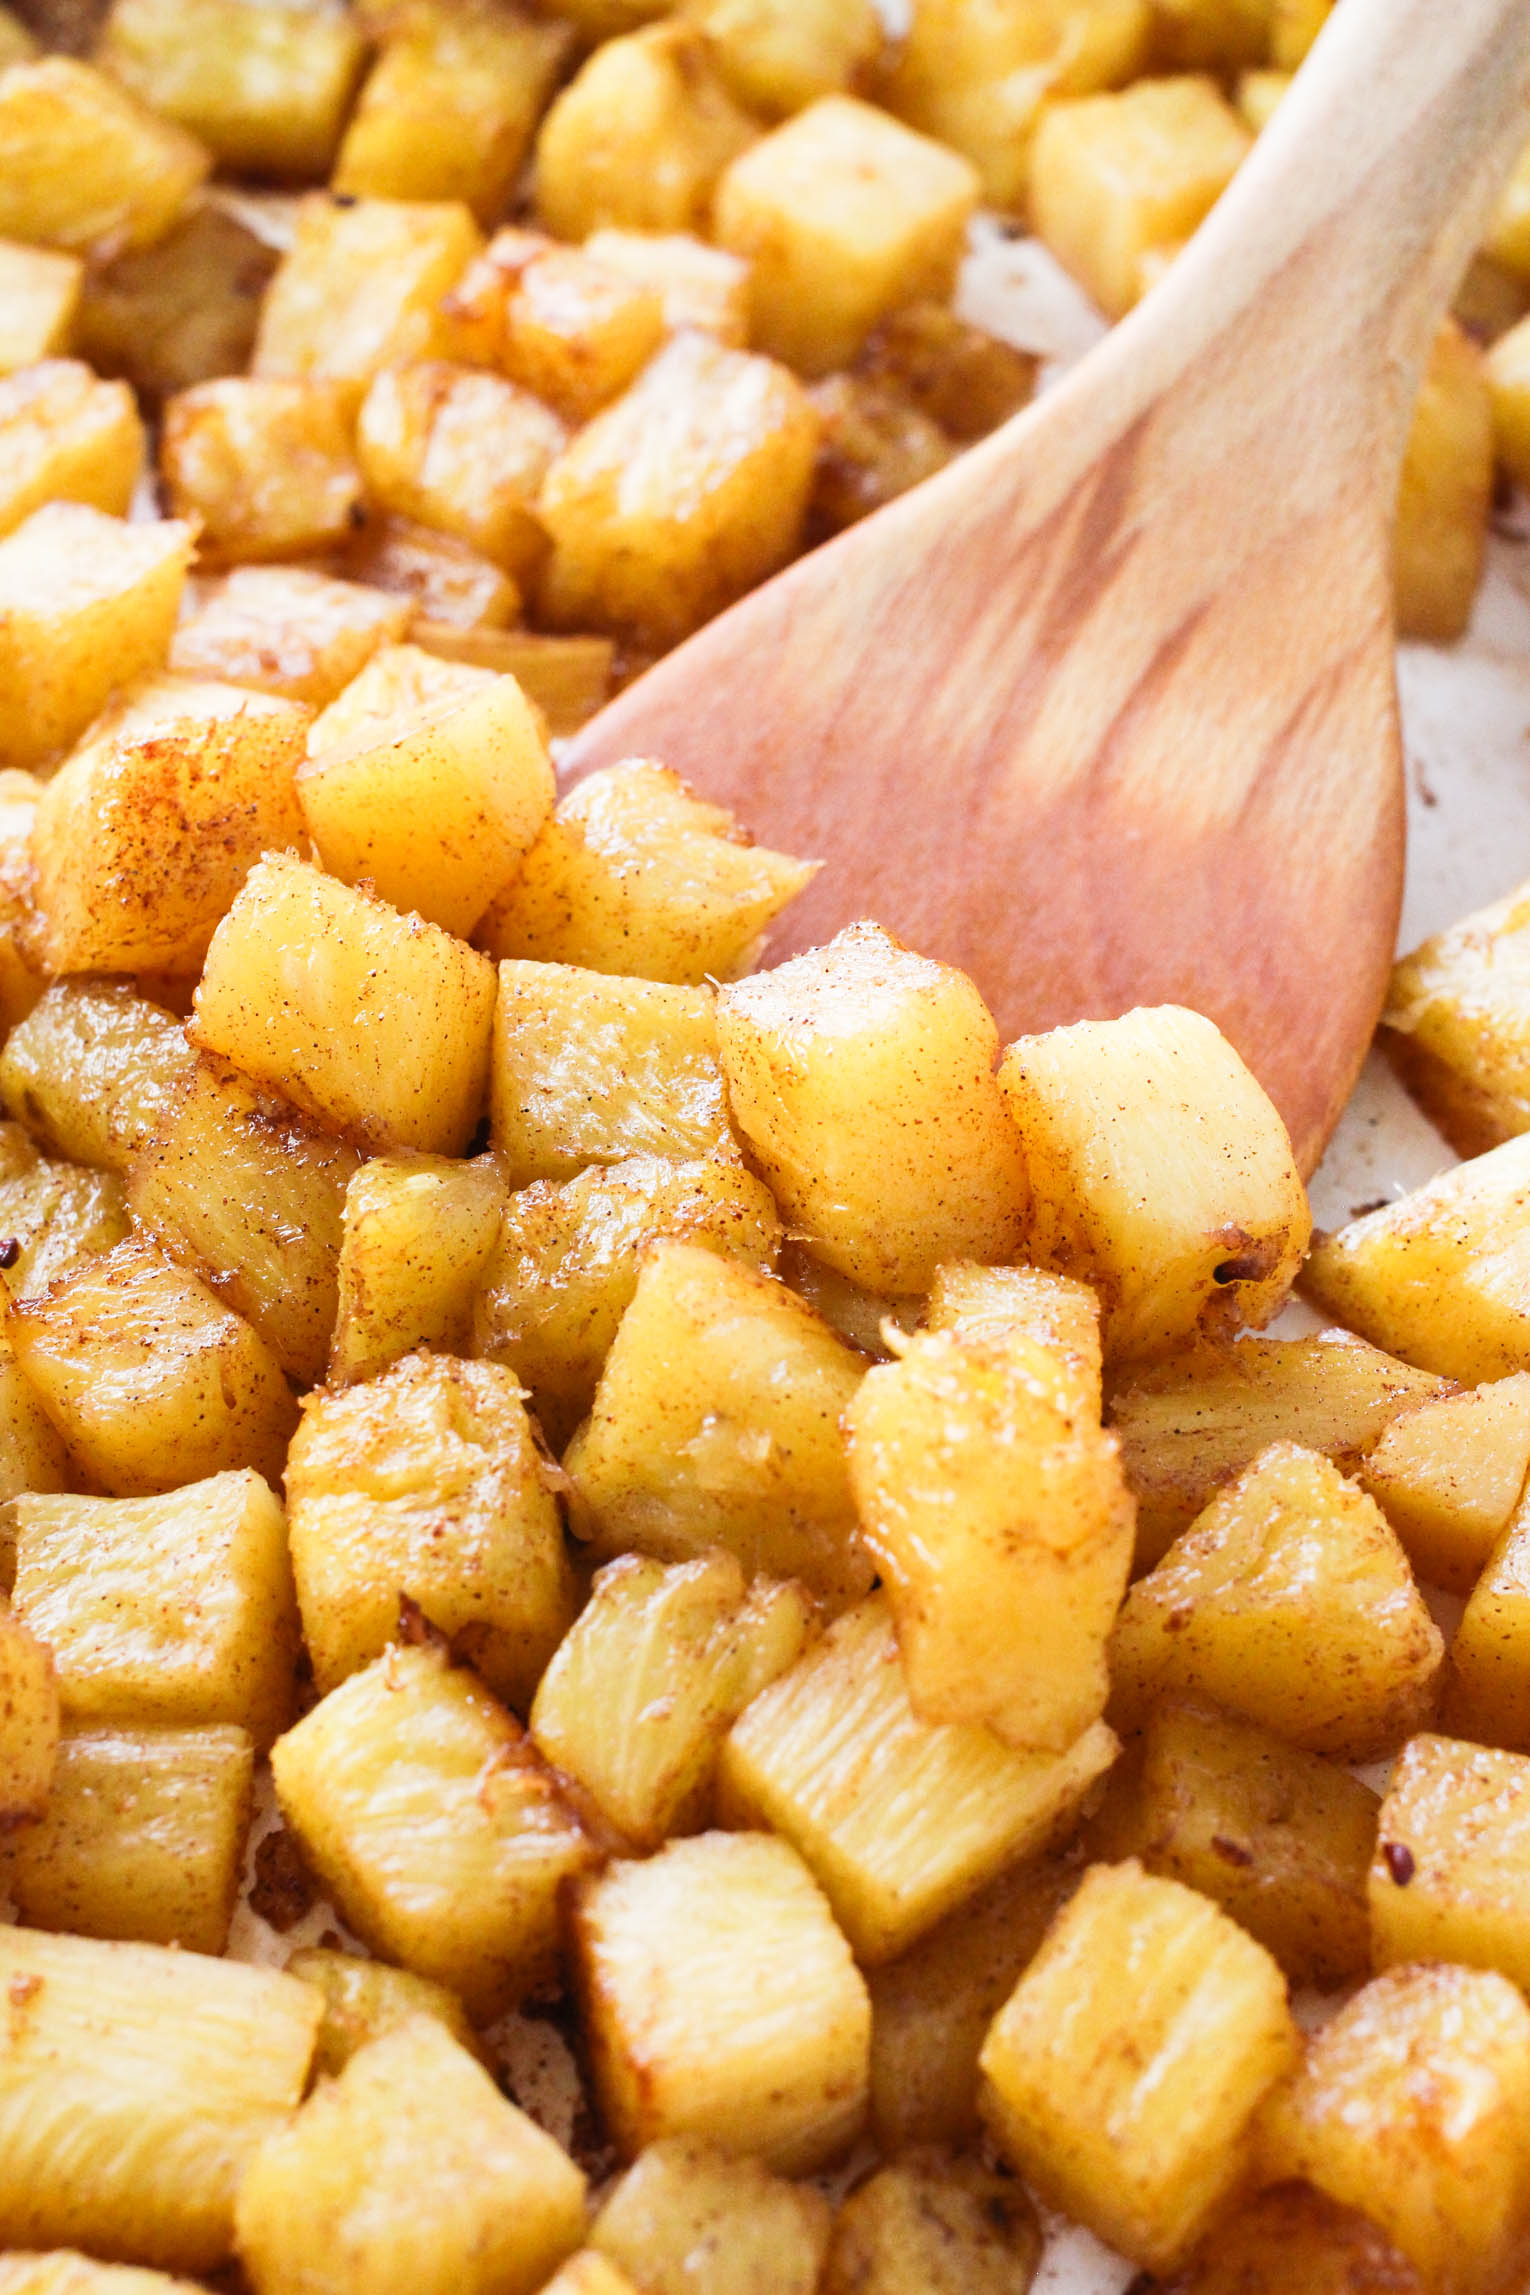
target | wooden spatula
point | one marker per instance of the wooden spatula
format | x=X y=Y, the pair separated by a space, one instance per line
x=1105 y=712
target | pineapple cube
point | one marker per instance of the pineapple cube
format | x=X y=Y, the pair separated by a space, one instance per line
x=381 y=1033
x=560 y=324
x=265 y=465
x=1002 y=1530
x=151 y=1381
x=84 y=165
x=175 y=1611
x=266 y=89
x=361 y=288
x=461 y=451
x=1114 y=175
x=396 y=682
x=1448 y=1475
x=1410 y=2105
x=1123 y=2074
x=410 y=2172
x=634 y=874
x=426 y=1484
x=843 y=214
x=965 y=380
x=66 y=436
x=900 y=1820
x=875 y=445
x=679 y=496
x=1159 y=1172
x=92 y=1069
x=1294 y=25
x=640 y=137
x=434 y=1826
x=653 y=1673
x=1061 y=1317
x=286 y=630
x=1449 y=1877
x=143 y=1837
x=698 y=286
x=1290 y=1602
x=136 y=2084
x=861 y=1078
x=1292 y=2236
x=778 y=56
x=363 y=1999
x=32 y=1454
x=721 y=2001
x=446 y=583
x=933 y=2221
x=1487 y=1679
x=184 y=310
x=568 y=678
x=54 y=1216
x=1456 y=1026
x=417 y=1234
x=29 y=1722
x=1446 y=492
x=435 y=813
x=39 y=303
x=681 y=2201
x=716 y=1423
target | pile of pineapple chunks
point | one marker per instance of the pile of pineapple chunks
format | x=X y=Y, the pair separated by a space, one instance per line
x=710 y=1491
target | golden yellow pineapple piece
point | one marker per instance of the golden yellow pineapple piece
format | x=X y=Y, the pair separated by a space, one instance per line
x=1409 y=2105
x=184 y=310
x=64 y=2272
x=962 y=378
x=634 y=874
x=149 y=1378
x=265 y=465
x=900 y=1820
x=462 y=451
x=1508 y=380
x=135 y=2086
x=55 y=1215
x=1288 y=1601
x=286 y=630
x=874 y=446
x=266 y=89
x=681 y=495
x=1259 y=95
x=778 y=56
x=143 y=1837
x=698 y=286
x=863 y=1317
x=447 y=584
x=29 y=1722
x=931 y=2222
x=396 y=682
x=721 y=2001
x=560 y=324
x=587 y=2273
x=640 y=137
x=681 y=2201
x=716 y=1423
x=430 y=1820
x=410 y=2174
x=382 y=1034
x=92 y=1069
x=39 y=303
x=1212 y=35
x=1059 y=1315
x=417 y=1233
x=84 y=164
x=1449 y=1474
x=32 y=1454
x=1294 y=25
x=567 y=677
x=1124 y=2072
x=1487 y=1679
x=1292 y=2236
x=1445 y=1881
x=363 y=1999
x=361 y=288
x=1446 y=491
x=1455 y=1023
x=66 y=436
x=1202 y=1234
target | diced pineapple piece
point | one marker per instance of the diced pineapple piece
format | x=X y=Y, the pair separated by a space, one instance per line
x=462 y=451
x=653 y=1673
x=568 y=678
x=286 y=630
x=900 y=1820
x=363 y=1999
x=136 y=2084
x=716 y=1422
x=446 y=582
x=1160 y=1172
x=1124 y=2072
x=843 y=214
x=382 y=1033
x=559 y=323
x=1446 y=1881
x=861 y=1078
x=151 y=1380
x=417 y=1234
x=965 y=380
x=32 y=1454
x=64 y=2272
x=1060 y=1316
x=39 y=303
x=1487 y=1680
x=266 y=89
x=863 y=1317
x=84 y=164
x=434 y=1826
x=1410 y=2105
x=1291 y=2236
x=778 y=56
x=875 y=445
x=143 y=1837
x=639 y=139
x=361 y=287
x=1212 y=35
x=1446 y=492
x=680 y=496
x=698 y=286
x=1449 y=1474
x=1114 y=175
x=722 y=2001
x=396 y=682
x=1455 y=1024
x=29 y=1722
x=1294 y=25
x=681 y=2201
x=92 y=1069
x=937 y=2223
x=55 y=1216
x=184 y=310
x=265 y=465
x=1288 y=1601
x=66 y=436
x=634 y=874
x=410 y=2171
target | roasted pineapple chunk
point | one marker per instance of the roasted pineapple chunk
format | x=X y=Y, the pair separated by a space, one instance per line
x=361 y=288
x=1060 y=1317
x=447 y=584
x=417 y=1233
x=1487 y=1680
x=568 y=678
x=1292 y=2236
x=29 y=1722
x=396 y=682
x=965 y=380
x=151 y=1381
x=265 y=465
x=874 y=445
x=39 y=303
x=136 y=2084
x=777 y=56
x=84 y=164
x=1409 y=2105
x=410 y=2171
x=560 y=324
x=54 y=1216
x=286 y=630
x=142 y=1837
x=679 y=496
x=587 y=2273
x=1201 y=1234
x=1124 y=2072
x=433 y=1824
x=92 y=1069
x=1449 y=1474
x=1446 y=492
x=697 y=285
x=32 y=1454
x=934 y=2223
x=386 y=1040
x=716 y=1423
x=1212 y=35
x=462 y=451
x=681 y=2201
x=1446 y=1879
x=1288 y=1601
x=861 y=1078
x=184 y=310
x=1457 y=1025
x=363 y=1999
x=640 y=138
x=900 y=1820
x=722 y=2001
x=633 y=874
x=266 y=89
x=65 y=435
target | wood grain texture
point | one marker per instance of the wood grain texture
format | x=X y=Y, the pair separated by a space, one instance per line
x=1105 y=712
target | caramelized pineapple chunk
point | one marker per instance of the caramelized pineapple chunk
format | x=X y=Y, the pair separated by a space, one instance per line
x=1288 y=1601
x=39 y=303
x=1446 y=492
x=55 y=1216
x=559 y=323
x=1292 y=2236
x=361 y=288
x=681 y=2201
x=409 y=2171
x=721 y=2001
x=446 y=583
x=29 y=1722
x=900 y=1820
x=286 y=630
x=1212 y=35
x=965 y=380
x=875 y=444
x=1457 y=1024
x=363 y=1999
x=266 y=89
x=1410 y=2105
x=1449 y=1474
x=265 y=465
x=136 y=2084
x=184 y=310
x=634 y=874
x=936 y=2224
x=1487 y=1680
x=461 y=451
x=66 y=436
x=92 y=1070
x=1123 y=2074
x=396 y=682
x=1446 y=1882
x=417 y=1234
x=32 y=1454
x=84 y=164
x=778 y=56
x=1061 y=1317
x=640 y=137
x=386 y=1040
x=434 y=1826
x=590 y=2274
x=698 y=286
